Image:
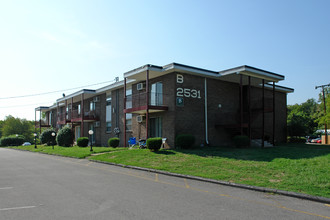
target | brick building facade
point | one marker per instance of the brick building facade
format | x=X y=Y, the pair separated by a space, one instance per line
x=165 y=101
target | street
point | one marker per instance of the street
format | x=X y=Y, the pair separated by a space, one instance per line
x=38 y=186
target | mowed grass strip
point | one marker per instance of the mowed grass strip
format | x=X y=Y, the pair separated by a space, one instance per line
x=299 y=167
x=75 y=151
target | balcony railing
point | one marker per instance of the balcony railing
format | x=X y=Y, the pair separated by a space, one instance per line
x=138 y=102
x=76 y=116
x=140 y=99
x=42 y=123
x=61 y=118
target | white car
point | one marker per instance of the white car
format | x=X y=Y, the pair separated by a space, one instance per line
x=26 y=144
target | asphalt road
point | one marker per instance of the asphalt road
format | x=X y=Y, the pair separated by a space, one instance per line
x=37 y=186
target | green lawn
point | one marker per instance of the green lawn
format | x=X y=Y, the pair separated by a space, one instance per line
x=78 y=152
x=299 y=168
x=293 y=167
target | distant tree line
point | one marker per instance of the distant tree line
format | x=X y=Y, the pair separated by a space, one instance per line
x=306 y=118
x=16 y=126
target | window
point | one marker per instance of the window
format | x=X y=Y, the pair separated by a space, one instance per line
x=108 y=114
x=155 y=129
x=129 y=97
x=156 y=94
x=67 y=111
x=128 y=122
x=79 y=109
x=92 y=106
x=108 y=128
x=50 y=118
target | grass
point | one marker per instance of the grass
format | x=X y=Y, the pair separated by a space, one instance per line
x=75 y=151
x=293 y=167
x=298 y=167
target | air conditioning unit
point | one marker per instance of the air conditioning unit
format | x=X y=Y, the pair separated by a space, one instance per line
x=97 y=124
x=139 y=86
x=96 y=99
x=139 y=118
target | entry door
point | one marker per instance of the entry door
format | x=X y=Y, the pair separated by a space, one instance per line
x=77 y=132
x=155 y=128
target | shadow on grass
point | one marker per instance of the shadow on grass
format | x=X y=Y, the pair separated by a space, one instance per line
x=288 y=151
x=164 y=152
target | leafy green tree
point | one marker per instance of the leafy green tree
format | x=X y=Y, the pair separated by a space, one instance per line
x=12 y=126
x=302 y=119
x=324 y=117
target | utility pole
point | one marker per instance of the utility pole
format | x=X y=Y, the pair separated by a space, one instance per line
x=325 y=111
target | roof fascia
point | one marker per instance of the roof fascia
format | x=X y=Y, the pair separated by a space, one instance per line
x=255 y=72
x=84 y=91
x=279 y=88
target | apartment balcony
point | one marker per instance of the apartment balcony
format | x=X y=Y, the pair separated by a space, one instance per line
x=63 y=118
x=88 y=116
x=42 y=124
x=137 y=103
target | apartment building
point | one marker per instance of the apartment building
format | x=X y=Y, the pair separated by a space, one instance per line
x=165 y=101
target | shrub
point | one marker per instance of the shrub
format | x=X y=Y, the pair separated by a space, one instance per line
x=12 y=140
x=184 y=141
x=64 y=137
x=113 y=142
x=47 y=138
x=154 y=144
x=296 y=139
x=241 y=141
x=82 y=141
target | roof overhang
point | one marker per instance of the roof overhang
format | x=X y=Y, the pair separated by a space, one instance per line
x=42 y=108
x=77 y=96
x=279 y=88
x=230 y=75
x=113 y=86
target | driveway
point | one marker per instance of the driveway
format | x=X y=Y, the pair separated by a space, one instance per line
x=37 y=186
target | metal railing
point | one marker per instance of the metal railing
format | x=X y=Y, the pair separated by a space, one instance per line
x=140 y=99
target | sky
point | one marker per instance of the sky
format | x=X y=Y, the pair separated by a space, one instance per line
x=48 y=46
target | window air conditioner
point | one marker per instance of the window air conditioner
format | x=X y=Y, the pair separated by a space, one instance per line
x=96 y=99
x=139 y=86
x=139 y=118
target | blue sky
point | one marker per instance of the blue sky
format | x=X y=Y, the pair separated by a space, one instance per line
x=55 y=45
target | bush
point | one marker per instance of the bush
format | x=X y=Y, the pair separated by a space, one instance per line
x=82 y=141
x=12 y=140
x=241 y=141
x=113 y=142
x=64 y=137
x=296 y=140
x=184 y=141
x=154 y=144
x=47 y=138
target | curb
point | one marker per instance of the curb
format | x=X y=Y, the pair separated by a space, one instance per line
x=57 y=155
x=220 y=182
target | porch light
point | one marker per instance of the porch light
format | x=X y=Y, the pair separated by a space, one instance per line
x=35 y=140
x=53 y=134
x=91 y=132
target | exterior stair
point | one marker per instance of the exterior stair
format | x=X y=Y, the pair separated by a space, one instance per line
x=258 y=143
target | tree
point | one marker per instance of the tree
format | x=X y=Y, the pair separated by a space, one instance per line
x=302 y=119
x=322 y=116
x=13 y=126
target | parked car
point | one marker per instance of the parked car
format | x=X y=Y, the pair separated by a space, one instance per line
x=310 y=138
x=319 y=141
x=316 y=140
x=26 y=144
